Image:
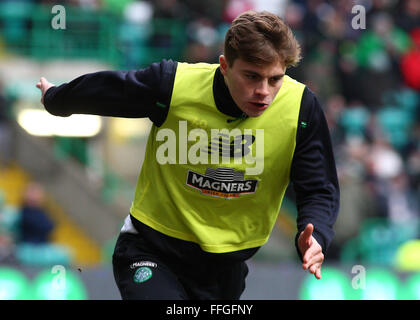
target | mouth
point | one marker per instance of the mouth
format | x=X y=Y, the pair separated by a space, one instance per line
x=259 y=105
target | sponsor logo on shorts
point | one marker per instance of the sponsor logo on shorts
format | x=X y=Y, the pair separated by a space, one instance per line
x=143 y=264
x=142 y=274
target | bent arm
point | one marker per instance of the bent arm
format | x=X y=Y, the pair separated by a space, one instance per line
x=314 y=175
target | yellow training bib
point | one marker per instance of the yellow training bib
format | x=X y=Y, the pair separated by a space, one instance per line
x=212 y=182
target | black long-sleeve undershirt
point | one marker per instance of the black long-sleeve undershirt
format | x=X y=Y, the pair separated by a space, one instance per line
x=147 y=93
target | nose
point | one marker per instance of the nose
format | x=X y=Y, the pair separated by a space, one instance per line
x=262 y=88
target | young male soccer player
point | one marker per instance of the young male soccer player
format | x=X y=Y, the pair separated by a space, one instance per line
x=226 y=141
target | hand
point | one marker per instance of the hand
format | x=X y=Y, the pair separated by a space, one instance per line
x=43 y=85
x=311 y=251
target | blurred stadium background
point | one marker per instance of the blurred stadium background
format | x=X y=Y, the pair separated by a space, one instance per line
x=65 y=186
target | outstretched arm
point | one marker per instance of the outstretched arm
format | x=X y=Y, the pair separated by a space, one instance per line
x=129 y=94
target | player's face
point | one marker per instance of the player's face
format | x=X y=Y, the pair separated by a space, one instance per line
x=252 y=87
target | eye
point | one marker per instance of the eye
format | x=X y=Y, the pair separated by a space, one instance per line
x=251 y=76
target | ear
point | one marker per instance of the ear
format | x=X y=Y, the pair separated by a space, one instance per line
x=223 y=64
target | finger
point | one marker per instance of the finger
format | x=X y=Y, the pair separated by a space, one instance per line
x=315 y=269
x=38 y=85
x=318 y=273
x=307 y=233
x=44 y=83
x=310 y=267
x=316 y=259
x=308 y=261
x=311 y=252
x=308 y=257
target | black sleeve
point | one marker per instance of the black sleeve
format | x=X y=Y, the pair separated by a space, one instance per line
x=129 y=94
x=314 y=174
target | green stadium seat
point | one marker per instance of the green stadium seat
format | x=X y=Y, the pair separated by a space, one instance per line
x=354 y=120
x=406 y=99
x=378 y=242
x=396 y=124
x=14 y=16
x=43 y=254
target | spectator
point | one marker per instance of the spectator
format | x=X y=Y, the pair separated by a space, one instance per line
x=413 y=161
x=235 y=7
x=413 y=170
x=408 y=17
x=410 y=62
x=379 y=50
x=402 y=204
x=35 y=225
x=357 y=203
x=170 y=9
x=35 y=246
x=134 y=33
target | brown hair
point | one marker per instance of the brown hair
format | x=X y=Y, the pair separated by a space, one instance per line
x=261 y=38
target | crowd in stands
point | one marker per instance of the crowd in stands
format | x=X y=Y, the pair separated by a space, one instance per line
x=367 y=79
x=368 y=82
